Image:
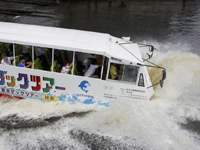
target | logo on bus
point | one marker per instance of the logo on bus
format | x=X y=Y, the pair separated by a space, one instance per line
x=83 y=85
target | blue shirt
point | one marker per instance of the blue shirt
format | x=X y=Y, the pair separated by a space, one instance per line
x=21 y=65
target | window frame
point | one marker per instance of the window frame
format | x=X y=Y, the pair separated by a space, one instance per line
x=124 y=64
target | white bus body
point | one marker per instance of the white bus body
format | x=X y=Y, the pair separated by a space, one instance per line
x=55 y=86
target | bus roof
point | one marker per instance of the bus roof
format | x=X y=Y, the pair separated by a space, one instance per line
x=65 y=39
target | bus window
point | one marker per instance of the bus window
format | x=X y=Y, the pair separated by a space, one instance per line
x=58 y=57
x=130 y=73
x=123 y=73
x=82 y=64
x=141 y=80
x=26 y=51
x=69 y=62
x=89 y=65
x=18 y=49
x=6 y=49
x=115 y=71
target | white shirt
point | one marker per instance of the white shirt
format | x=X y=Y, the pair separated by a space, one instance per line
x=8 y=62
x=91 y=70
x=65 y=69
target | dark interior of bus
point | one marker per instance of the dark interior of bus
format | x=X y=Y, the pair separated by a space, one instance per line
x=54 y=60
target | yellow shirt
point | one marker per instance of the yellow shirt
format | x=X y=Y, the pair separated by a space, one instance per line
x=113 y=71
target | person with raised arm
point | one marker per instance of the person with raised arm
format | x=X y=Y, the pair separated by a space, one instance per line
x=7 y=60
x=23 y=63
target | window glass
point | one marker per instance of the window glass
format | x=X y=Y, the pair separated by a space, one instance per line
x=88 y=65
x=69 y=65
x=141 y=80
x=94 y=66
x=116 y=71
x=123 y=73
x=6 y=50
x=82 y=62
x=130 y=73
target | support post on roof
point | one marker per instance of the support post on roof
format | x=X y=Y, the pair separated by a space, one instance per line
x=73 y=63
x=33 y=56
x=14 y=53
x=108 y=70
x=102 y=67
x=123 y=74
x=52 y=60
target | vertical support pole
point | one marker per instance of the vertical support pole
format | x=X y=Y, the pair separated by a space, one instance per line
x=14 y=53
x=52 y=60
x=73 y=63
x=108 y=70
x=33 y=52
x=102 y=67
x=123 y=73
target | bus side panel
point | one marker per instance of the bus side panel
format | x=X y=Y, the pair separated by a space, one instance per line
x=50 y=86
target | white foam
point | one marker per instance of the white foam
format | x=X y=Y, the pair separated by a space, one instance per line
x=33 y=109
x=152 y=124
x=156 y=123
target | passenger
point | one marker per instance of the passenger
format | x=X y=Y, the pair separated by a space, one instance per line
x=40 y=53
x=113 y=72
x=66 y=67
x=92 y=68
x=25 y=52
x=23 y=63
x=99 y=58
x=10 y=49
x=7 y=60
x=69 y=56
x=57 y=56
x=99 y=61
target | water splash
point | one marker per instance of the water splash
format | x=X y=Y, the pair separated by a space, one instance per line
x=125 y=124
x=155 y=124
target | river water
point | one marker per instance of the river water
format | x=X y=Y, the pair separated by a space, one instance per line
x=169 y=121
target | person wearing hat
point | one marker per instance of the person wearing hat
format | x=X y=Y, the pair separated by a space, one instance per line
x=7 y=60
